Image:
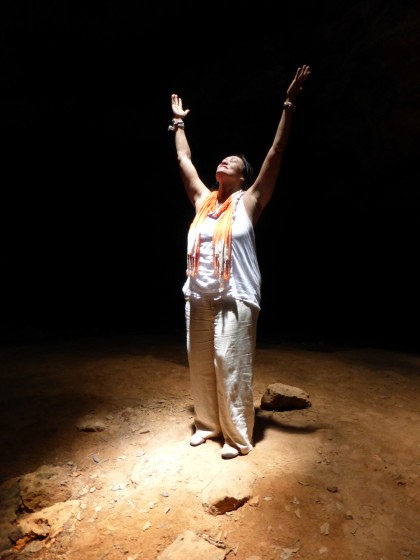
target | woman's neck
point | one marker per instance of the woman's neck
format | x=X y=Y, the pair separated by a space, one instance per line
x=224 y=192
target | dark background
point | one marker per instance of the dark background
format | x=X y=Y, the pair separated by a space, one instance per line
x=94 y=216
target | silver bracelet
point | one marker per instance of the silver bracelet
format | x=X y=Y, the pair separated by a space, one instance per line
x=289 y=105
x=176 y=123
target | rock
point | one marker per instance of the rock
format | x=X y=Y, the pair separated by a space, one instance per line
x=190 y=545
x=10 y=501
x=48 y=521
x=44 y=487
x=282 y=397
x=90 y=423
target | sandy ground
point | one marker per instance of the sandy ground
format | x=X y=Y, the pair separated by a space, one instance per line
x=337 y=480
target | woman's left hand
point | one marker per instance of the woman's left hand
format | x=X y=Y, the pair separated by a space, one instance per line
x=302 y=74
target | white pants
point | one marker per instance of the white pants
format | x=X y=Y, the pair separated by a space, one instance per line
x=221 y=340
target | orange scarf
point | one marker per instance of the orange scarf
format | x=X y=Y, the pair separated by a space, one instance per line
x=222 y=236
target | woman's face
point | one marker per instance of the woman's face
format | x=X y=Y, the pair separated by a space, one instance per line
x=231 y=166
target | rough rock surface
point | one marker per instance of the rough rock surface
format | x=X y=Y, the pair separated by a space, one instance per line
x=190 y=545
x=44 y=487
x=48 y=522
x=229 y=490
x=140 y=484
x=10 y=502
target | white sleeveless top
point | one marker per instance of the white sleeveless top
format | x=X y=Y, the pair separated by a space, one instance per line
x=245 y=278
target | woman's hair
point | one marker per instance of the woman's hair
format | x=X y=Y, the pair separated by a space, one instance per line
x=247 y=171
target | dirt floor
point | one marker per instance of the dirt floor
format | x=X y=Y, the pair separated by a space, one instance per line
x=338 y=480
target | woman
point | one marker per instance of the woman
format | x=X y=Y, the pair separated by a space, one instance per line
x=222 y=290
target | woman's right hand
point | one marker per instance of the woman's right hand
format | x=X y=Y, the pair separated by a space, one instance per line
x=177 y=110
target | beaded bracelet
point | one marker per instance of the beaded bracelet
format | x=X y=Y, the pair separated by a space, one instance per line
x=176 y=123
x=289 y=105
